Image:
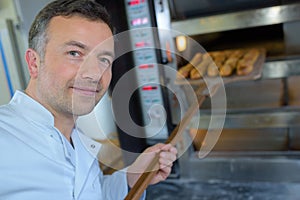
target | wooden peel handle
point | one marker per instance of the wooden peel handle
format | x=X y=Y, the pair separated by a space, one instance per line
x=142 y=183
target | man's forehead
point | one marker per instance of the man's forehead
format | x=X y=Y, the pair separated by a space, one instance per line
x=79 y=22
x=88 y=34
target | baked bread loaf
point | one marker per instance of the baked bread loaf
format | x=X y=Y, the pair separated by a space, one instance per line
x=184 y=71
x=219 y=58
x=231 y=63
x=224 y=63
x=246 y=64
x=200 y=69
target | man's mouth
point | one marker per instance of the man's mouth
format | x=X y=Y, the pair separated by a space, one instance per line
x=87 y=91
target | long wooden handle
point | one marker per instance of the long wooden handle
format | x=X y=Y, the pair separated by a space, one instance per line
x=142 y=183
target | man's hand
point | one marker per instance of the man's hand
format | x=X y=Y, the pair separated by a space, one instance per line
x=166 y=156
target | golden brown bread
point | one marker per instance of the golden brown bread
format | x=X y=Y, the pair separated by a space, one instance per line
x=246 y=64
x=219 y=58
x=184 y=71
x=200 y=69
x=224 y=63
x=212 y=70
x=231 y=63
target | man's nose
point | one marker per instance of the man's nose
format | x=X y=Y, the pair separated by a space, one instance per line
x=91 y=69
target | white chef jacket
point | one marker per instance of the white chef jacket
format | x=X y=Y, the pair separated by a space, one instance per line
x=38 y=163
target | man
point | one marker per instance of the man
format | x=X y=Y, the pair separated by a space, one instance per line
x=43 y=155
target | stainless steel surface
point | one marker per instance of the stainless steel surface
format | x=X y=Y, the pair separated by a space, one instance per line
x=162 y=14
x=238 y=20
x=263 y=167
x=259 y=142
x=291 y=37
x=262 y=112
x=281 y=69
x=294 y=138
x=270 y=119
x=191 y=189
x=244 y=140
x=239 y=175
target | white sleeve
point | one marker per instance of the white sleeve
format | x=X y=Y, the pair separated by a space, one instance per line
x=115 y=186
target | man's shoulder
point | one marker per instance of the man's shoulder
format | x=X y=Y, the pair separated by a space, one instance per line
x=10 y=121
x=7 y=113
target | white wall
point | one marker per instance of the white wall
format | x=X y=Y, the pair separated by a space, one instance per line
x=21 y=13
x=7 y=11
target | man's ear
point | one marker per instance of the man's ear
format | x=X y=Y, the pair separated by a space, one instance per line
x=33 y=62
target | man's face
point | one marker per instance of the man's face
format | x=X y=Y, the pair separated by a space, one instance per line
x=76 y=69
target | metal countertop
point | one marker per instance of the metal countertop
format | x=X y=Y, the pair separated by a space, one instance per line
x=222 y=190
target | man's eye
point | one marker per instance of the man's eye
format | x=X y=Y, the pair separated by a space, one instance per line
x=105 y=61
x=74 y=53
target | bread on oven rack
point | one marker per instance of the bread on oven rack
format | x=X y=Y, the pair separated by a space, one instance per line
x=225 y=63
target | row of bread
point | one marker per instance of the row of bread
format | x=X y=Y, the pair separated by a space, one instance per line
x=223 y=63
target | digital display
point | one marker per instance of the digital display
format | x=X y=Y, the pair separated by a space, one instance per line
x=141 y=44
x=149 y=88
x=146 y=66
x=135 y=2
x=139 y=21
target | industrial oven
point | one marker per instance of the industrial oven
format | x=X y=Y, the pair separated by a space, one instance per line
x=261 y=128
x=260 y=137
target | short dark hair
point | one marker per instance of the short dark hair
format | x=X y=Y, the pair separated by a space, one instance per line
x=89 y=9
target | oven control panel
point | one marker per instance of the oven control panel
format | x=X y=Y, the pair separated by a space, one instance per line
x=146 y=68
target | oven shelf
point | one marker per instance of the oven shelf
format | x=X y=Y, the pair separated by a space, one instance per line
x=281 y=68
x=269 y=102
x=238 y=20
x=265 y=166
x=261 y=118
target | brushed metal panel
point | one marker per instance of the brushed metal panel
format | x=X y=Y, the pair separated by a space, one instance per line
x=238 y=20
x=264 y=168
x=294 y=134
x=252 y=94
x=294 y=90
x=265 y=139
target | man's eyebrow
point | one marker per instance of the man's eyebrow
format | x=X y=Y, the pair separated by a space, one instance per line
x=107 y=53
x=83 y=46
x=78 y=44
